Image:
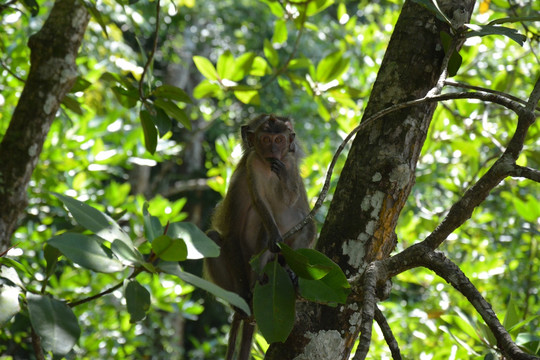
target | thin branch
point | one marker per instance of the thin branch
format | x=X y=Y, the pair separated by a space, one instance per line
x=388 y=335
x=510 y=104
x=368 y=310
x=479 y=88
x=11 y=72
x=151 y=55
x=525 y=172
x=445 y=268
x=36 y=344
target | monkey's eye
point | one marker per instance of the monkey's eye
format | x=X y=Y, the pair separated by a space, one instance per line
x=279 y=139
x=266 y=140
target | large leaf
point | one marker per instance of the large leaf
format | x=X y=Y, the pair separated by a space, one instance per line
x=206 y=67
x=332 y=288
x=301 y=264
x=273 y=304
x=198 y=244
x=331 y=67
x=137 y=301
x=225 y=65
x=270 y=53
x=483 y=30
x=126 y=254
x=9 y=302
x=173 y=111
x=152 y=226
x=54 y=322
x=85 y=251
x=149 y=131
x=94 y=220
x=172 y=93
x=169 y=249
x=280 y=32
x=234 y=299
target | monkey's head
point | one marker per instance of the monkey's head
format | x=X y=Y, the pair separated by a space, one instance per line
x=272 y=137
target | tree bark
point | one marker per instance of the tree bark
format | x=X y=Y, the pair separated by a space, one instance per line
x=52 y=74
x=375 y=182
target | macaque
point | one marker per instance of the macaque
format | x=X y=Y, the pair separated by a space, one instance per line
x=265 y=199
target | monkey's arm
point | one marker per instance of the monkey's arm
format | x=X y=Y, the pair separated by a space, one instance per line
x=256 y=191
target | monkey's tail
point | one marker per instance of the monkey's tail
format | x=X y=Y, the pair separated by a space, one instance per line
x=248 y=329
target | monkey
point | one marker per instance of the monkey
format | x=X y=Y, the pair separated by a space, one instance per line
x=266 y=198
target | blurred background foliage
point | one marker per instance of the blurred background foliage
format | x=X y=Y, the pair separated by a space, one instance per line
x=95 y=152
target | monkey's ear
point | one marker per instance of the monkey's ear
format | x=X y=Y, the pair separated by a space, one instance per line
x=247 y=136
x=292 y=144
x=289 y=126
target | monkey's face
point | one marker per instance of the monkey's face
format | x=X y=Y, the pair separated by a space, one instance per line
x=272 y=146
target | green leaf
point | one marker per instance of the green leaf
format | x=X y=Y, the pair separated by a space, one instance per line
x=72 y=104
x=126 y=254
x=162 y=121
x=514 y=19
x=172 y=93
x=280 y=32
x=173 y=268
x=198 y=244
x=331 y=67
x=301 y=265
x=51 y=255
x=332 y=288
x=137 y=301
x=243 y=66
x=273 y=304
x=205 y=67
x=169 y=249
x=31 y=5
x=260 y=67
x=207 y=89
x=54 y=322
x=128 y=98
x=9 y=302
x=94 y=220
x=270 y=53
x=85 y=251
x=13 y=264
x=316 y=6
x=484 y=30
x=173 y=111
x=152 y=226
x=97 y=16
x=248 y=96
x=225 y=65
x=149 y=131
x=512 y=316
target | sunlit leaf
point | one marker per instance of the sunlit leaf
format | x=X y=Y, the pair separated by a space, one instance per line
x=331 y=67
x=484 y=30
x=301 y=264
x=270 y=53
x=232 y=298
x=9 y=302
x=198 y=244
x=206 y=67
x=94 y=220
x=280 y=32
x=225 y=65
x=169 y=249
x=85 y=251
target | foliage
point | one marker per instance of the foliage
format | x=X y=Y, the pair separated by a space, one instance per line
x=116 y=149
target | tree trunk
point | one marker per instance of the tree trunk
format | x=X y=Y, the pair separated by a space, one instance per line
x=52 y=74
x=375 y=182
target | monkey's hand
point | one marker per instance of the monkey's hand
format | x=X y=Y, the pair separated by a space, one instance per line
x=278 y=167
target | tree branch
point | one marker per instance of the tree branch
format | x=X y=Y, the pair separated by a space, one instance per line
x=445 y=268
x=525 y=172
x=387 y=333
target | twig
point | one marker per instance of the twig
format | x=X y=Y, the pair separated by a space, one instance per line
x=368 y=310
x=387 y=333
x=525 y=172
x=151 y=55
x=36 y=344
